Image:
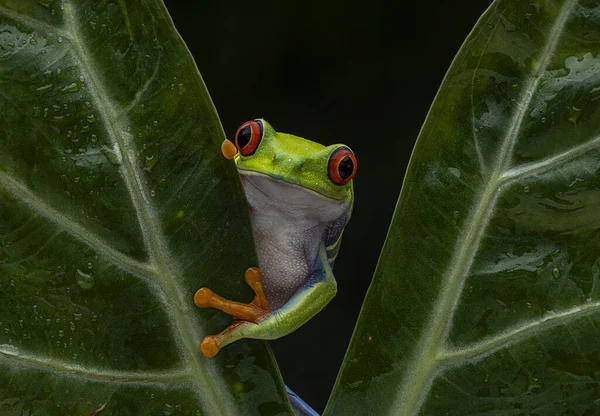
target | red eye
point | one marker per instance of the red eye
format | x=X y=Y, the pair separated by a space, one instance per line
x=248 y=137
x=342 y=165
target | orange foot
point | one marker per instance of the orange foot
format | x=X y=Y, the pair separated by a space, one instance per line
x=243 y=312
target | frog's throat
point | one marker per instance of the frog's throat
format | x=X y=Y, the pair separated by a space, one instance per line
x=247 y=172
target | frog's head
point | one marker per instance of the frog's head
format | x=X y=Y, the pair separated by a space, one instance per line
x=327 y=171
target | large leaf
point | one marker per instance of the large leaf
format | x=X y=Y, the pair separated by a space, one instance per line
x=486 y=299
x=115 y=206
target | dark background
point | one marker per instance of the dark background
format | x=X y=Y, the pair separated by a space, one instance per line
x=360 y=73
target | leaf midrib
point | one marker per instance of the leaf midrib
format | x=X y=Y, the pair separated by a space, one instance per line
x=153 y=235
x=161 y=269
x=421 y=370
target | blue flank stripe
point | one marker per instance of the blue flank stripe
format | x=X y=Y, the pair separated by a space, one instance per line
x=300 y=407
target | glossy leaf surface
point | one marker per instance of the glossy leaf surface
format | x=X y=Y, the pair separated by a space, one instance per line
x=486 y=299
x=115 y=206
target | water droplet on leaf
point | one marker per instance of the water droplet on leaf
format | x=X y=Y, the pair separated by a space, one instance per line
x=84 y=280
x=44 y=89
x=73 y=87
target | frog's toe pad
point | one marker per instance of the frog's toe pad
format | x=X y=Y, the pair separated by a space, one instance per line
x=228 y=149
x=203 y=298
x=252 y=276
x=209 y=346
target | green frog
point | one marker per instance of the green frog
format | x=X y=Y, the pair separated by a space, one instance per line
x=300 y=196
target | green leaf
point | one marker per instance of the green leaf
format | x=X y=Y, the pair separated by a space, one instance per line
x=115 y=207
x=486 y=299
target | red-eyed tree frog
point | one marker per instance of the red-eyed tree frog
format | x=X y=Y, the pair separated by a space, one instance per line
x=300 y=196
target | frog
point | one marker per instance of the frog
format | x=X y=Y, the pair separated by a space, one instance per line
x=300 y=196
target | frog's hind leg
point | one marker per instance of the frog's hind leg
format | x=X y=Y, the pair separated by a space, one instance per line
x=245 y=313
x=262 y=329
x=211 y=344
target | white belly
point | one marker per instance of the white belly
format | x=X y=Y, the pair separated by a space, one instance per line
x=289 y=225
x=286 y=255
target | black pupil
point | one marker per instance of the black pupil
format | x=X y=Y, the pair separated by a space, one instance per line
x=244 y=136
x=346 y=167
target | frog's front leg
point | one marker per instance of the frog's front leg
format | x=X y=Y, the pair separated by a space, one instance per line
x=247 y=312
x=258 y=322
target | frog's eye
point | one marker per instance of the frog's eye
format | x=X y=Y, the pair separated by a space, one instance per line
x=342 y=165
x=248 y=136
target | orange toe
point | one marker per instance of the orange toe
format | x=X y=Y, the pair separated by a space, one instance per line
x=209 y=346
x=203 y=297
x=228 y=149
x=253 y=275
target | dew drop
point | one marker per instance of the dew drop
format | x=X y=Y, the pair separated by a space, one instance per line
x=44 y=89
x=150 y=161
x=168 y=410
x=73 y=87
x=112 y=157
x=84 y=280
x=556 y=273
x=534 y=385
x=45 y=3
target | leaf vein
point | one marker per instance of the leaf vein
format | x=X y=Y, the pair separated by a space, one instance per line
x=453 y=357
x=40 y=207
x=28 y=21
x=514 y=174
x=11 y=354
